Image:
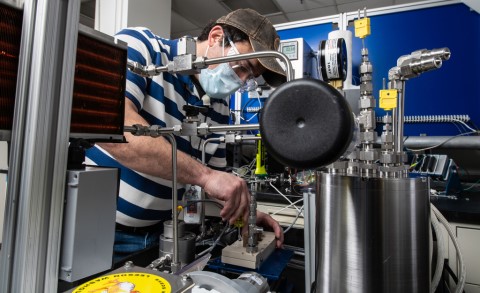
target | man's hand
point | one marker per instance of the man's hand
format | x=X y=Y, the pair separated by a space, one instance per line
x=265 y=220
x=230 y=189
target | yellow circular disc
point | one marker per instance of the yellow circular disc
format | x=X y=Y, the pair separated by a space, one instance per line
x=126 y=283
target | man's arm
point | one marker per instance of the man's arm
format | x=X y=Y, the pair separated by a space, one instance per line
x=153 y=156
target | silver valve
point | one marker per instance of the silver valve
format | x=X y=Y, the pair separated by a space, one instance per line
x=414 y=67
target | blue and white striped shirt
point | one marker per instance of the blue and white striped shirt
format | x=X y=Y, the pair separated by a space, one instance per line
x=143 y=199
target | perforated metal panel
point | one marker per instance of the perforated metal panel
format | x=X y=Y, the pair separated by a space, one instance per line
x=10 y=34
x=99 y=87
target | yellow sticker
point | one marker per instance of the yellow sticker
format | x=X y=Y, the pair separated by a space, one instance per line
x=126 y=283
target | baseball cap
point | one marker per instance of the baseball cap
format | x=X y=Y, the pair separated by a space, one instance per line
x=263 y=37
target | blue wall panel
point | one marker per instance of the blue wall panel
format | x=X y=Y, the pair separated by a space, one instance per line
x=452 y=89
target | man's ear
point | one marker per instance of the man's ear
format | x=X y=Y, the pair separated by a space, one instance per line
x=215 y=35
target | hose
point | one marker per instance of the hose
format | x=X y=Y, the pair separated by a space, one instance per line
x=440 y=252
x=462 y=274
x=214 y=243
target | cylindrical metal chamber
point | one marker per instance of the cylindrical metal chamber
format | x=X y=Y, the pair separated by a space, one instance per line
x=372 y=234
x=186 y=242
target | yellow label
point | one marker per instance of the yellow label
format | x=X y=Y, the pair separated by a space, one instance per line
x=126 y=283
x=388 y=99
x=362 y=27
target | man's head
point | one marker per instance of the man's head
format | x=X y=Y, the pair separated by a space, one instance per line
x=250 y=32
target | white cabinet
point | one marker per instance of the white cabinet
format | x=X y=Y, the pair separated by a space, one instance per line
x=472 y=288
x=468 y=237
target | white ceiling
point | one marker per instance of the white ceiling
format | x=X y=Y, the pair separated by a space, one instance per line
x=189 y=16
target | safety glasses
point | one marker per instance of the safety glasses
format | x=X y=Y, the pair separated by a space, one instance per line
x=244 y=71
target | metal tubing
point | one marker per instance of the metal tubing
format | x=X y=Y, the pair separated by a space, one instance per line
x=221 y=138
x=400 y=114
x=446 y=142
x=442 y=53
x=175 y=261
x=201 y=63
x=208 y=140
x=155 y=130
x=238 y=127
x=252 y=243
x=262 y=54
x=202 y=193
x=394 y=127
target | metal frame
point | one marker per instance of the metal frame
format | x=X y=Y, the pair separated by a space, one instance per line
x=30 y=253
x=309 y=237
x=403 y=7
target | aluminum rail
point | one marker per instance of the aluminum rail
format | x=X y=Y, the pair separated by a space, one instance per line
x=36 y=185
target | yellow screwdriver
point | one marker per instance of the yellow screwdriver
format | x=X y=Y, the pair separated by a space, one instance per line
x=239 y=224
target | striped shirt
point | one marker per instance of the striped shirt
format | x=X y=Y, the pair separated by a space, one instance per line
x=143 y=199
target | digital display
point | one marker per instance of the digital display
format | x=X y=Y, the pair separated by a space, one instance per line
x=290 y=50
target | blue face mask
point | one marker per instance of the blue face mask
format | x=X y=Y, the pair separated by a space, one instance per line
x=221 y=81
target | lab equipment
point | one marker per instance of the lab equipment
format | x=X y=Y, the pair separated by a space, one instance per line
x=368 y=205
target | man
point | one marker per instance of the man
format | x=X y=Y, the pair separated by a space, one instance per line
x=145 y=163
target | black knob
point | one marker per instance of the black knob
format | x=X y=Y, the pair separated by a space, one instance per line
x=191 y=110
x=306 y=123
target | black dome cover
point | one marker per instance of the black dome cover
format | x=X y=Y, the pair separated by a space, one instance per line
x=306 y=123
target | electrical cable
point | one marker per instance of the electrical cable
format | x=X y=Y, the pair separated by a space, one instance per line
x=259 y=105
x=289 y=201
x=243 y=108
x=294 y=221
x=203 y=200
x=284 y=208
x=190 y=201
x=249 y=168
x=473 y=124
x=460 y=130
x=214 y=243
x=294 y=188
x=473 y=185
x=465 y=124
x=462 y=273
